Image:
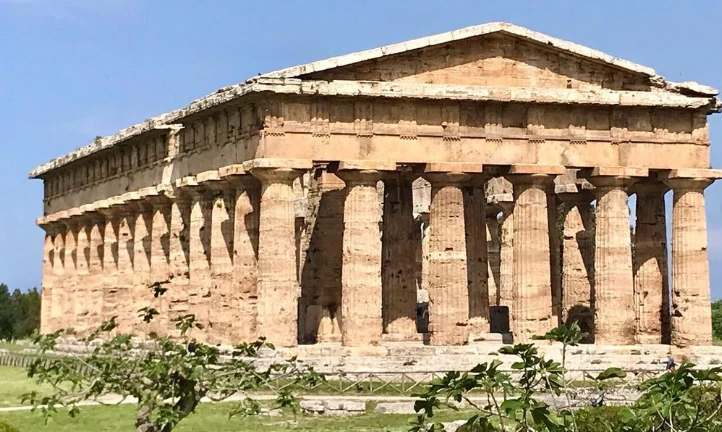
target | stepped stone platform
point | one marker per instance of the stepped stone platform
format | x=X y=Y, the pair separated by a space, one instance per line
x=416 y=358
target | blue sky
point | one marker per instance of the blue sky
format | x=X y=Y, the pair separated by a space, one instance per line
x=74 y=69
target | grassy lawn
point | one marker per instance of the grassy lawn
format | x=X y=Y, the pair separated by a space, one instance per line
x=210 y=416
x=214 y=417
x=14 y=382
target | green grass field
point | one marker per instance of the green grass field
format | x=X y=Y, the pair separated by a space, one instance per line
x=210 y=416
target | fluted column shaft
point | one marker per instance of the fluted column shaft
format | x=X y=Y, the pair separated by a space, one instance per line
x=398 y=272
x=691 y=322
x=506 y=260
x=110 y=265
x=199 y=292
x=125 y=290
x=476 y=256
x=554 y=257
x=448 y=277
x=278 y=288
x=70 y=276
x=613 y=299
x=48 y=279
x=651 y=286
x=578 y=260
x=244 y=296
x=532 y=299
x=361 y=293
x=221 y=245
x=78 y=308
x=159 y=252
x=142 y=217
x=178 y=257
x=56 y=307
x=94 y=284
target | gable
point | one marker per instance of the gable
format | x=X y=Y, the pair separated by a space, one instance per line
x=496 y=59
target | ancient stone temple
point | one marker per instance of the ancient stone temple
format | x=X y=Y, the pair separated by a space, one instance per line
x=440 y=190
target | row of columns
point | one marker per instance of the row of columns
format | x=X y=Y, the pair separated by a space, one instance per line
x=226 y=241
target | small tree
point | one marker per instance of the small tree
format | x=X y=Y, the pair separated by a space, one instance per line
x=167 y=377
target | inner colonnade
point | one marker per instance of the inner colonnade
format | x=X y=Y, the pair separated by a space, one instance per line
x=301 y=251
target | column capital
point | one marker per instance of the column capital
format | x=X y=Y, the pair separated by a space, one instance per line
x=155 y=197
x=448 y=178
x=192 y=188
x=237 y=176
x=542 y=180
x=612 y=182
x=72 y=218
x=49 y=224
x=90 y=215
x=649 y=187
x=277 y=175
x=681 y=184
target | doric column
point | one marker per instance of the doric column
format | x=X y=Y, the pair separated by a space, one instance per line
x=448 y=270
x=555 y=264
x=200 y=284
x=578 y=260
x=506 y=259
x=613 y=298
x=178 y=254
x=48 y=278
x=320 y=303
x=118 y=284
x=221 y=254
x=110 y=259
x=94 y=283
x=361 y=292
x=691 y=322
x=278 y=288
x=651 y=286
x=476 y=256
x=70 y=276
x=398 y=272
x=532 y=299
x=79 y=307
x=493 y=250
x=126 y=310
x=139 y=214
x=56 y=295
x=244 y=296
x=159 y=250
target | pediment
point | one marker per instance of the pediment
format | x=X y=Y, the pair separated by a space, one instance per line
x=495 y=55
x=495 y=60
